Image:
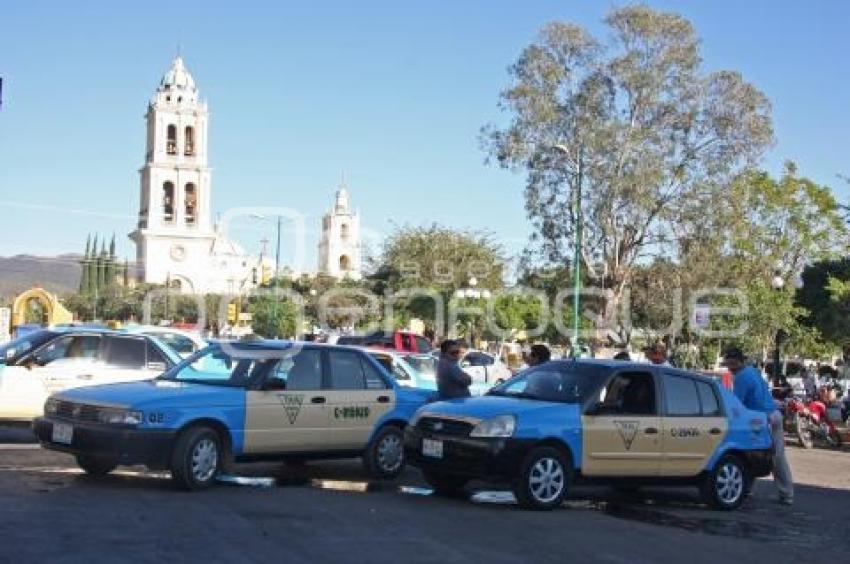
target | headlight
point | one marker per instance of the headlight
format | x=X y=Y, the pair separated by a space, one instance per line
x=501 y=426
x=120 y=417
x=51 y=406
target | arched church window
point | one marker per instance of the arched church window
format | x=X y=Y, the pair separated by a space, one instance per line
x=168 y=202
x=343 y=231
x=191 y=200
x=171 y=140
x=344 y=263
x=189 y=141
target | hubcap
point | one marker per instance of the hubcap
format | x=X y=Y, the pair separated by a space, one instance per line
x=730 y=483
x=390 y=453
x=546 y=480
x=204 y=460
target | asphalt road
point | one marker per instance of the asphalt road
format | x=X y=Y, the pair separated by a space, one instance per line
x=330 y=512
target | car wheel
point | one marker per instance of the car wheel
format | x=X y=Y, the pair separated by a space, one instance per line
x=726 y=486
x=96 y=466
x=196 y=459
x=384 y=457
x=445 y=484
x=544 y=479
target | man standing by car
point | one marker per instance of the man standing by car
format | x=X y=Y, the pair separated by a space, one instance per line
x=452 y=381
x=538 y=355
x=752 y=390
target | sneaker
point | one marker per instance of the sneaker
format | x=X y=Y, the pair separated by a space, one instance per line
x=786 y=501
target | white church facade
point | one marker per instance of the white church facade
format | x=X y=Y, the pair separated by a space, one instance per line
x=177 y=242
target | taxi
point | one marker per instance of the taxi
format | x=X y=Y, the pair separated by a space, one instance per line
x=238 y=401
x=625 y=424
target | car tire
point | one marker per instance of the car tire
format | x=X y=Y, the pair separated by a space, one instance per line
x=197 y=459
x=445 y=484
x=803 y=432
x=544 y=479
x=384 y=457
x=725 y=487
x=96 y=465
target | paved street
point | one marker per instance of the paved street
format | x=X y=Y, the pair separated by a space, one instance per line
x=329 y=512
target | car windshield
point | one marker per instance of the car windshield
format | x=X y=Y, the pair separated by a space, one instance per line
x=422 y=363
x=13 y=350
x=228 y=365
x=568 y=383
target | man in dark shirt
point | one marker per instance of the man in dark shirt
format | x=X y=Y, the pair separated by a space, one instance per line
x=452 y=381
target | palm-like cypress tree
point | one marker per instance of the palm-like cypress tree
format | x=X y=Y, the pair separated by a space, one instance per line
x=84 y=277
x=91 y=278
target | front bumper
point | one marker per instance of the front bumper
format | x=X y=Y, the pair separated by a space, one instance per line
x=122 y=444
x=491 y=459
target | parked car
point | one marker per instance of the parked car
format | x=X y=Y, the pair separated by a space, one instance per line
x=485 y=367
x=417 y=370
x=184 y=343
x=39 y=364
x=396 y=340
x=242 y=401
x=623 y=423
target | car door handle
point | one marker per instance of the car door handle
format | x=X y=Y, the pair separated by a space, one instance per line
x=715 y=431
x=651 y=431
x=383 y=399
x=317 y=399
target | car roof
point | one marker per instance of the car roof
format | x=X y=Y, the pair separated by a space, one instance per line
x=612 y=364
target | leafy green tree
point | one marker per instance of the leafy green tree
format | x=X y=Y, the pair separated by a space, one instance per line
x=272 y=318
x=652 y=138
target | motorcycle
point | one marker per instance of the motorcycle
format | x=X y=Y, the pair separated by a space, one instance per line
x=812 y=420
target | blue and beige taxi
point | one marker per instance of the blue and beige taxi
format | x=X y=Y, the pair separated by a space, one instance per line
x=625 y=424
x=238 y=401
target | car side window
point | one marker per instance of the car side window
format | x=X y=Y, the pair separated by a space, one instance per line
x=422 y=345
x=302 y=371
x=681 y=396
x=708 y=400
x=346 y=371
x=374 y=380
x=629 y=393
x=125 y=352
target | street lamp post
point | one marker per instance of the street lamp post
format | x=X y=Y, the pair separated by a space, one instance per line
x=579 y=172
x=472 y=292
x=777 y=282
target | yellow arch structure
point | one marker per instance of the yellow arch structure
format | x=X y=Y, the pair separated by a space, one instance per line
x=56 y=313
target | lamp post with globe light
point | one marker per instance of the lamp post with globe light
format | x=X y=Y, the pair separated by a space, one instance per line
x=472 y=293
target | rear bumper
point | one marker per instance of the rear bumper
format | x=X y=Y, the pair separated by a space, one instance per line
x=481 y=458
x=122 y=444
x=760 y=462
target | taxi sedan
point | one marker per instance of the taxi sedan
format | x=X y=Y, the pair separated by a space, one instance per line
x=622 y=423
x=238 y=401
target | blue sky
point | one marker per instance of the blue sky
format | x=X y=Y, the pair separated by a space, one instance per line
x=392 y=93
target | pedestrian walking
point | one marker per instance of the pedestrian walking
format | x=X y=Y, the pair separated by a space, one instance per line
x=452 y=381
x=753 y=391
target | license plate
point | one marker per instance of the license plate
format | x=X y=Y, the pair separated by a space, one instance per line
x=62 y=433
x=432 y=448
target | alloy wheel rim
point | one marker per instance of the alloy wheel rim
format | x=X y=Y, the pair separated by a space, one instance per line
x=390 y=453
x=204 y=460
x=546 y=480
x=730 y=483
